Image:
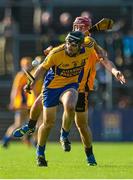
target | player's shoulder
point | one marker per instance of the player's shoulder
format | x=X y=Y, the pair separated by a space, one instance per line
x=89 y=42
x=20 y=73
x=57 y=49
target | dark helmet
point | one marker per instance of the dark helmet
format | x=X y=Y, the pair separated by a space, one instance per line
x=83 y=20
x=76 y=37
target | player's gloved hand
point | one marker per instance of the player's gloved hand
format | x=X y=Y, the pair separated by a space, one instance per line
x=28 y=87
x=119 y=76
x=46 y=51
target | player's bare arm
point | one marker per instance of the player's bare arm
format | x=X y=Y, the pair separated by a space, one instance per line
x=111 y=67
x=38 y=74
x=108 y=64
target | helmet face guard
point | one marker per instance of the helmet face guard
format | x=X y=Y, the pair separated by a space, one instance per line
x=75 y=36
x=74 y=41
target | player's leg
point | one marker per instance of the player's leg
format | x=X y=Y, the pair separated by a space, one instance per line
x=69 y=100
x=86 y=136
x=49 y=115
x=19 y=117
x=81 y=120
x=50 y=101
x=35 y=112
x=35 y=134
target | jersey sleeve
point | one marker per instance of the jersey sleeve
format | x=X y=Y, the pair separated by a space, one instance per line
x=101 y=53
x=49 y=61
x=95 y=56
x=95 y=59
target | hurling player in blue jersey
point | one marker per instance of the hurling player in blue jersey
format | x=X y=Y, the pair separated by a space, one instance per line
x=64 y=65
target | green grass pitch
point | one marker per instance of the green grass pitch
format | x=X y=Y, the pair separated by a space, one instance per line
x=115 y=160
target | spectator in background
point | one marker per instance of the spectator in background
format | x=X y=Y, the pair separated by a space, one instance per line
x=65 y=24
x=124 y=102
x=20 y=102
x=8 y=28
x=86 y=14
x=65 y=19
x=46 y=18
x=46 y=21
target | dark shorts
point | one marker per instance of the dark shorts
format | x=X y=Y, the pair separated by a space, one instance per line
x=51 y=96
x=82 y=103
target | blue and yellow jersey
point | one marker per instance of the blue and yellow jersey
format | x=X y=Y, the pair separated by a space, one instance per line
x=87 y=75
x=64 y=70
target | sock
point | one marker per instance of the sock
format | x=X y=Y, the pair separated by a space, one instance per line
x=90 y=156
x=64 y=134
x=88 y=151
x=32 y=124
x=40 y=150
x=6 y=139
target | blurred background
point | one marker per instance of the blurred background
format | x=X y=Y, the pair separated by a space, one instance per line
x=27 y=27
